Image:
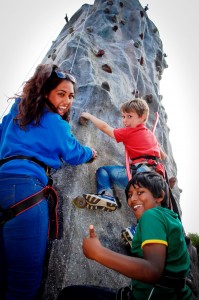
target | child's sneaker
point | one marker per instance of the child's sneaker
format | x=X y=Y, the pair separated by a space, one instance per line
x=127 y=234
x=102 y=201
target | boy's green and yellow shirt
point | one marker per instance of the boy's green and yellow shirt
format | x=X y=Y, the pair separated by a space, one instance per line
x=161 y=225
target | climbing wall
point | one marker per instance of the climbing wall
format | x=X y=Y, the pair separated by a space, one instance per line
x=116 y=54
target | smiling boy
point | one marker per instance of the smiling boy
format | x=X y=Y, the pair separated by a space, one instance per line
x=159 y=263
x=139 y=141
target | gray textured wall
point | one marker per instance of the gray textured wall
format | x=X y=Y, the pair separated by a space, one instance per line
x=134 y=52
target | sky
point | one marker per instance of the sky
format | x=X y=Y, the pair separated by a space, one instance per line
x=27 y=29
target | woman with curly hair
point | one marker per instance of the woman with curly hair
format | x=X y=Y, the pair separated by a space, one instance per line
x=35 y=136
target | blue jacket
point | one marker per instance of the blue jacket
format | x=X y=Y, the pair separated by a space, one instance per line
x=50 y=142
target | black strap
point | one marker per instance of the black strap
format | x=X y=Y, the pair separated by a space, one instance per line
x=146 y=157
x=172 y=199
x=52 y=199
x=35 y=160
x=124 y=293
x=172 y=282
x=16 y=209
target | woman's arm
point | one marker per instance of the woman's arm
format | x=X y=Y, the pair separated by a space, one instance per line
x=101 y=125
x=148 y=269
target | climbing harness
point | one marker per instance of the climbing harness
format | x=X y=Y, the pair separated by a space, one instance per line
x=33 y=159
x=47 y=192
x=50 y=194
x=153 y=163
x=125 y=293
x=128 y=168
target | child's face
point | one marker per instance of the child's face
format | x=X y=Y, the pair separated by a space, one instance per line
x=132 y=119
x=62 y=97
x=141 y=199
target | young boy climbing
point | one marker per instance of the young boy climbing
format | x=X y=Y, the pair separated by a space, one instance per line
x=141 y=144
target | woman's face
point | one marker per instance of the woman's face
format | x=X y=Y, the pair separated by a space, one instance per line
x=62 y=97
x=141 y=199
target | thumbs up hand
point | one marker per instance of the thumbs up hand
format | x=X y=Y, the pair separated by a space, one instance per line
x=91 y=231
x=91 y=244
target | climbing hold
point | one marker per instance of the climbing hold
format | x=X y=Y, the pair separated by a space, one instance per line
x=53 y=56
x=141 y=60
x=83 y=121
x=155 y=29
x=115 y=28
x=136 y=94
x=66 y=18
x=149 y=98
x=114 y=19
x=141 y=35
x=89 y=29
x=100 y=53
x=106 y=10
x=106 y=68
x=137 y=44
x=121 y=4
x=142 y=13
x=70 y=29
x=79 y=202
x=146 y=7
x=172 y=182
x=123 y=22
x=106 y=86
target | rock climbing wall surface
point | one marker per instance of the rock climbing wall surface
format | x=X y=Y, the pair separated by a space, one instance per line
x=116 y=54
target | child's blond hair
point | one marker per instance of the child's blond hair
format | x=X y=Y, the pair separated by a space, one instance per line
x=139 y=106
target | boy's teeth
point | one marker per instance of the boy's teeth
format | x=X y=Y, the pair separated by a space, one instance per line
x=136 y=206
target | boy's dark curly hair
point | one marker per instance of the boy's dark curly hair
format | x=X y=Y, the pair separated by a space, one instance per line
x=152 y=181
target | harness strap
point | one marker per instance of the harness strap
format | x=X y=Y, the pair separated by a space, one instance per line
x=52 y=199
x=172 y=282
x=35 y=160
x=23 y=205
x=146 y=157
x=173 y=204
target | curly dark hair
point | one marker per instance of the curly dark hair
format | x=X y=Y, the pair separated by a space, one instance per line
x=152 y=181
x=33 y=98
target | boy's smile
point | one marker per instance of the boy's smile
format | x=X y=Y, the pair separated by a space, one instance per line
x=141 y=199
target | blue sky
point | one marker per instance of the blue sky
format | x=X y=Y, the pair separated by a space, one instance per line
x=27 y=29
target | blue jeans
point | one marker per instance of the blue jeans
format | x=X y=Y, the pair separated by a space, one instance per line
x=108 y=176
x=23 y=239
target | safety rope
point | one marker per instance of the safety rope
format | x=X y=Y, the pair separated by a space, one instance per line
x=141 y=55
x=78 y=42
x=136 y=83
x=27 y=74
x=9 y=103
